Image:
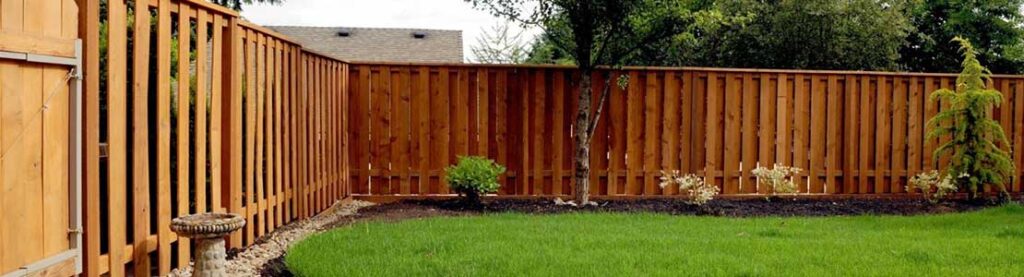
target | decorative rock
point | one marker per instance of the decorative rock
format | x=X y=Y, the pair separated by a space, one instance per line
x=208 y=230
x=560 y=202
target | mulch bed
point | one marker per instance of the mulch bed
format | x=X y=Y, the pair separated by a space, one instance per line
x=731 y=208
x=758 y=207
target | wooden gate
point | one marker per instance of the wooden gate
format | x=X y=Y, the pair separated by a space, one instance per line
x=39 y=70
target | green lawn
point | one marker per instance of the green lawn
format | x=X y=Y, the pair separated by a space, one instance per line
x=984 y=243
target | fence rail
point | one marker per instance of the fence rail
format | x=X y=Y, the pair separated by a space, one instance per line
x=852 y=132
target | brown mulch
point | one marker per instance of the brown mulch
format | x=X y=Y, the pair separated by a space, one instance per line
x=733 y=208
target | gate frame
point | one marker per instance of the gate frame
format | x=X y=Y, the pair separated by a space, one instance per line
x=74 y=164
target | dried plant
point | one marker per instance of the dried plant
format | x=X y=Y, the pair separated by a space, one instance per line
x=779 y=178
x=932 y=186
x=700 y=192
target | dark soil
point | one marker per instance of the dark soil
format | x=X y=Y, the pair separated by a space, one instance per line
x=759 y=207
x=732 y=208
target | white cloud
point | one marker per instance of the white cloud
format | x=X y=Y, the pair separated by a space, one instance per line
x=427 y=14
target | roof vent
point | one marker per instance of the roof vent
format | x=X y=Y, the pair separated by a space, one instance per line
x=419 y=34
x=344 y=33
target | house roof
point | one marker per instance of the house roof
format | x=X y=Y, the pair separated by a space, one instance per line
x=379 y=44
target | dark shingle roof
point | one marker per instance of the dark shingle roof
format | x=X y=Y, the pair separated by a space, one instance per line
x=379 y=44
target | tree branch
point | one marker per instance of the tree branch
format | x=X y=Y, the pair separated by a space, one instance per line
x=558 y=43
x=649 y=38
x=600 y=105
x=604 y=43
x=512 y=16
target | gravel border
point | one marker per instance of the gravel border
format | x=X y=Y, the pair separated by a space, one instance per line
x=251 y=260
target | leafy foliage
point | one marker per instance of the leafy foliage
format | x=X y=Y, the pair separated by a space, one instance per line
x=845 y=34
x=237 y=4
x=849 y=34
x=995 y=28
x=975 y=158
x=601 y=32
x=473 y=176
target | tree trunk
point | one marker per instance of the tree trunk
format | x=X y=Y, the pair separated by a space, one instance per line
x=582 y=148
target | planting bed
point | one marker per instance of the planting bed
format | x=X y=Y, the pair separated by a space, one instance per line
x=732 y=208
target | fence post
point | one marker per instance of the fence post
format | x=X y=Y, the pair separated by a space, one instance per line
x=345 y=174
x=231 y=140
x=88 y=30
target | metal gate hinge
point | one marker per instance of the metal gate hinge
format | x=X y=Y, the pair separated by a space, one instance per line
x=75 y=73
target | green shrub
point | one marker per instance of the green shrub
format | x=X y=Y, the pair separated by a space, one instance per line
x=975 y=159
x=473 y=176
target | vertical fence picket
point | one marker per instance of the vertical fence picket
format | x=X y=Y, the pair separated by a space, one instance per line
x=749 y=112
x=899 y=135
x=1018 y=133
x=833 y=143
x=767 y=117
x=140 y=169
x=818 y=133
x=117 y=145
x=867 y=129
x=732 y=144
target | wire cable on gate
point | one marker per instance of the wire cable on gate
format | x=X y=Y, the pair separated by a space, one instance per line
x=39 y=112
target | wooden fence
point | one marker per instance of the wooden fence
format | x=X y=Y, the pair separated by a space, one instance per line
x=189 y=109
x=852 y=132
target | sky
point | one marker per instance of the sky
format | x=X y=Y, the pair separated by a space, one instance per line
x=426 y=14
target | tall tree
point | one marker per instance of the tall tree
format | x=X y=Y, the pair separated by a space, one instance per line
x=803 y=34
x=975 y=159
x=994 y=28
x=812 y=34
x=501 y=45
x=593 y=33
x=237 y=4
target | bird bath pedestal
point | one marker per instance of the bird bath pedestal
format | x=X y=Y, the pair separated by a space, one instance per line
x=208 y=231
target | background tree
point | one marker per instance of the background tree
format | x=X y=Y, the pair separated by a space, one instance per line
x=993 y=27
x=237 y=4
x=907 y=35
x=975 y=158
x=592 y=33
x=810 y=34
x=501 y=45
x=543 y=51
x=697 y=19
x=804 y=34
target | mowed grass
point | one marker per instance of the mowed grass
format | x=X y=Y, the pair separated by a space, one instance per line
x=983 y=243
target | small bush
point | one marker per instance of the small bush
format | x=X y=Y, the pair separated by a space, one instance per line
x=699 y=191
x=932 y=186
x=473 y=176
x=779 y=178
